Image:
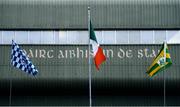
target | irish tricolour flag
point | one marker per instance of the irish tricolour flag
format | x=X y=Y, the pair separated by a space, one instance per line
x=98 y=54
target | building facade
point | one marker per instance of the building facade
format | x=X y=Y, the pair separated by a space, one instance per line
x=54 y=35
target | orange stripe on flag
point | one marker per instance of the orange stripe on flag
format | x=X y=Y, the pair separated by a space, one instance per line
x=99 y=57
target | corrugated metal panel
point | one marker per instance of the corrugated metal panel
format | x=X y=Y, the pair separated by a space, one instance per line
x=106 y=14
x=63 y=78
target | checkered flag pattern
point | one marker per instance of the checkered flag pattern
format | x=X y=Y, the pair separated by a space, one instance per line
x=20 y=60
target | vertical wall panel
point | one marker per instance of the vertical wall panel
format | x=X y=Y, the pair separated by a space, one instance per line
x=63 y=79
x=105 y=14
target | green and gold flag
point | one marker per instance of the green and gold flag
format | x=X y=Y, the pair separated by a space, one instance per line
x=161 y=62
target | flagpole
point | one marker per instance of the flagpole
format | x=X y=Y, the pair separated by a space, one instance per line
x=164 y=88
x=10 y=89
x=10 y=84
x=164 y=72
x=90 y=98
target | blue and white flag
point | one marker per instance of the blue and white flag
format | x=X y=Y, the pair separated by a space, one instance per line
x=20 y=60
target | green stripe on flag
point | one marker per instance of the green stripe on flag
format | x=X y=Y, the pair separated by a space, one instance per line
x=153 y=68
x=157 y=64
x=168 y=60
x=162 y=69
x=92 y=34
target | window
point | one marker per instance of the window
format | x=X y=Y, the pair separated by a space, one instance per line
x=147 y=37
x=112 y=37
x=35 y=37
x=159 y=36
x=122 y=37
x=21 y=37
x=8 y=36
x=134 y=37
x=109 y=37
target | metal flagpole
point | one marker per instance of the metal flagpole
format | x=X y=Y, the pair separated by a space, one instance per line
x=164 y=88
x=90 y=98
x=10 y=90
x=10 y=84
x=165 y=73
